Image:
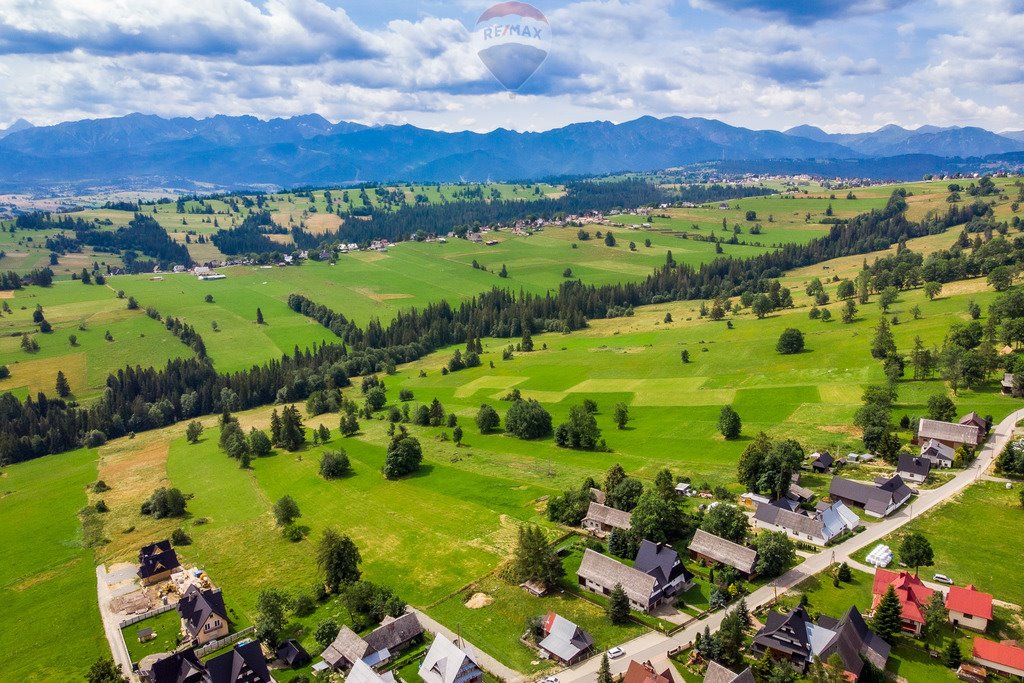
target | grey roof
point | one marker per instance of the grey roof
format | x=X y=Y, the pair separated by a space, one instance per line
x=724 y=551
x=947 y=431
x=609 y=516
x=660 y=561
x=786 y=633
x=393 y=634
x=243 y=664
x=197 y=606
x=717 y=673
x=362 y=673
x=606 y=572
x=446 y=662
x=347 y=646
x=875 y=499
x=797 y=522
x=915 y=466
x=565 y=639
x=292 y=653
x=1007 y=380
x=973 y=418
x=799 y=492
x=853 y=640
x=597 y=495
x=935 y=450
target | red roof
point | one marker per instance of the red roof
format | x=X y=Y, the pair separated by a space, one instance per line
x=998 y=653
x=911 y=591
x=643 y=673
x=549 y=621
x=969 y=601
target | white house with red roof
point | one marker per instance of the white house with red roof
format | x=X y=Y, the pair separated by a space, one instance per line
x=969 y=607
x=1006 y=659
x=911 y=591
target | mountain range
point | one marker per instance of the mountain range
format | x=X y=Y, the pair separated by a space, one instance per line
x=140 y=151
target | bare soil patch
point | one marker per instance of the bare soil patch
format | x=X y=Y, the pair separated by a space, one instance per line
x=479 y=600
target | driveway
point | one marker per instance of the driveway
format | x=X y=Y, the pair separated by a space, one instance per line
x=655 y=644
x=112 y=622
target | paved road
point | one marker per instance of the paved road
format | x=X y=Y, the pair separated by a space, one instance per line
x=488 y=663
x=655 y=644
x=112 y=625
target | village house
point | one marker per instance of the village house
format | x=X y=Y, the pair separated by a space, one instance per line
x=448 y=662
x=968 y=607
x=291 y=654
x=243 y=664
x=601 y=519
x=878 y=500
x=938 y=454
x=818 y=528
x=157 y=561
x=203 y=615
x=657 y=670
x=822 y=462
x=1006 y=385
x=949 y=433
x=363 y=673
x=795 y=638
x=717 y=673
x=564 y=641
x=656 y=577
x=975 y=420
x=910 y=590
x=378 y=648
x=913 y=469
x=708 y=549
x=1004 y=658
x=664 y=564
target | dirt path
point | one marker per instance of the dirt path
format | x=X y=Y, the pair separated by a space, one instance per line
x=112 y=625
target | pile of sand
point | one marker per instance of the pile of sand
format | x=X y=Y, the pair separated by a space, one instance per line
x=479 y=600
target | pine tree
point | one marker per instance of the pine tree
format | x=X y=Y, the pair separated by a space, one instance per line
x=604 y=673
x=953 y=655
x=618 y=605
x=887 y=621
x=275 y=428
x=63 y=388
x=259 y=316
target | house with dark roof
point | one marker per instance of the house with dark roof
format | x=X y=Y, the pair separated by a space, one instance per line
x=157 y=561
x=822 y=462
x=819 y=527
x=203 y=615
x=910 y=590
x=663 y=563
x=949 y=433
x=969 y=607
x=292 y=655
x=710 y=549
x=243 y=664
x=564 y=641
x=379 y=647
x=1001 y=657
x=347 y=649
x=938 y=454
x=646 y=591
x=717 y=673
x=878 y=500
x=601 y=519
x=449 y=662
x=179 y=667
x=795 y=638
x=913 y=469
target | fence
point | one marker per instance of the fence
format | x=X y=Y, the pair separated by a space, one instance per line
x=142 y=617
x=223 y=642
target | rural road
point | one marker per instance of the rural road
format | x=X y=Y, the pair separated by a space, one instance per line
x=112 y=625
x=654 y=644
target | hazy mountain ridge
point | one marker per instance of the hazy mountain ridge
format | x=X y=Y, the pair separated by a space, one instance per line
x=234 y=151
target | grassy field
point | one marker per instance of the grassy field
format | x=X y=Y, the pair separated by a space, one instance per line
x=971 y=536
x=47 y=577
x=166 y=626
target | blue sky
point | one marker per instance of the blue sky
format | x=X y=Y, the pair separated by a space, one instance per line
x=845 y=66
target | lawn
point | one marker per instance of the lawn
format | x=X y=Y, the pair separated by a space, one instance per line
x=166 y=626
x=47 y=577
x=972 y=536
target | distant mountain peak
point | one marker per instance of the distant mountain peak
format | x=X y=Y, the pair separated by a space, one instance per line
x=20 y=124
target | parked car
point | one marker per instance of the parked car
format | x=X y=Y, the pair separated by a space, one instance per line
x=942 y=578
x=615 y=653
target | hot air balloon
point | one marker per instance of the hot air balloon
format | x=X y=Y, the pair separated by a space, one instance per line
x=512 y=40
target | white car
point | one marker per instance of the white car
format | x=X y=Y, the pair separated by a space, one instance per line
x=942 y=578
x=615 y=653
x=551 y=679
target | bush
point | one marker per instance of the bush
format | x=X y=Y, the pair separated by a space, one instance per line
x=95 y=439
x=303 y=605
x=790 y=341
x=334 y=464
x=165 y=503
x=528 y=420
x=100 y=487
x=404 y=457
x=179 y=537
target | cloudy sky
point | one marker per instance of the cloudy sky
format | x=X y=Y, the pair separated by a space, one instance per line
x=844 y=65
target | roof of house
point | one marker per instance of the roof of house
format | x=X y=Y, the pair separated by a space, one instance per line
x=243 y=664
x=348 y=646
x=660 y=561
x=974 y=419
x=717 y=673
x=363 y=673
x=853 y=640
x=823 y=459
x=292 y=653
x=565 y=639
x=644 y=673
x=597 y=495
x=911 y=591
x=607 y=572
x=157 y=558
x=947 y=431
x=724 y=551
x=999 y=653
x=797 y=522
x=154 y=548
x=609 y=516
x=179 y=667
x=799 y=492
x=914 y=466
x=790 y=633
x=446 y=662
x=875 y=499
x=393 y=633
x=938 y=450
x=1007 y=380
x=970 y=601
x=197 y=606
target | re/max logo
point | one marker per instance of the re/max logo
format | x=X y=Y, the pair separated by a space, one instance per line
x=492 y=32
